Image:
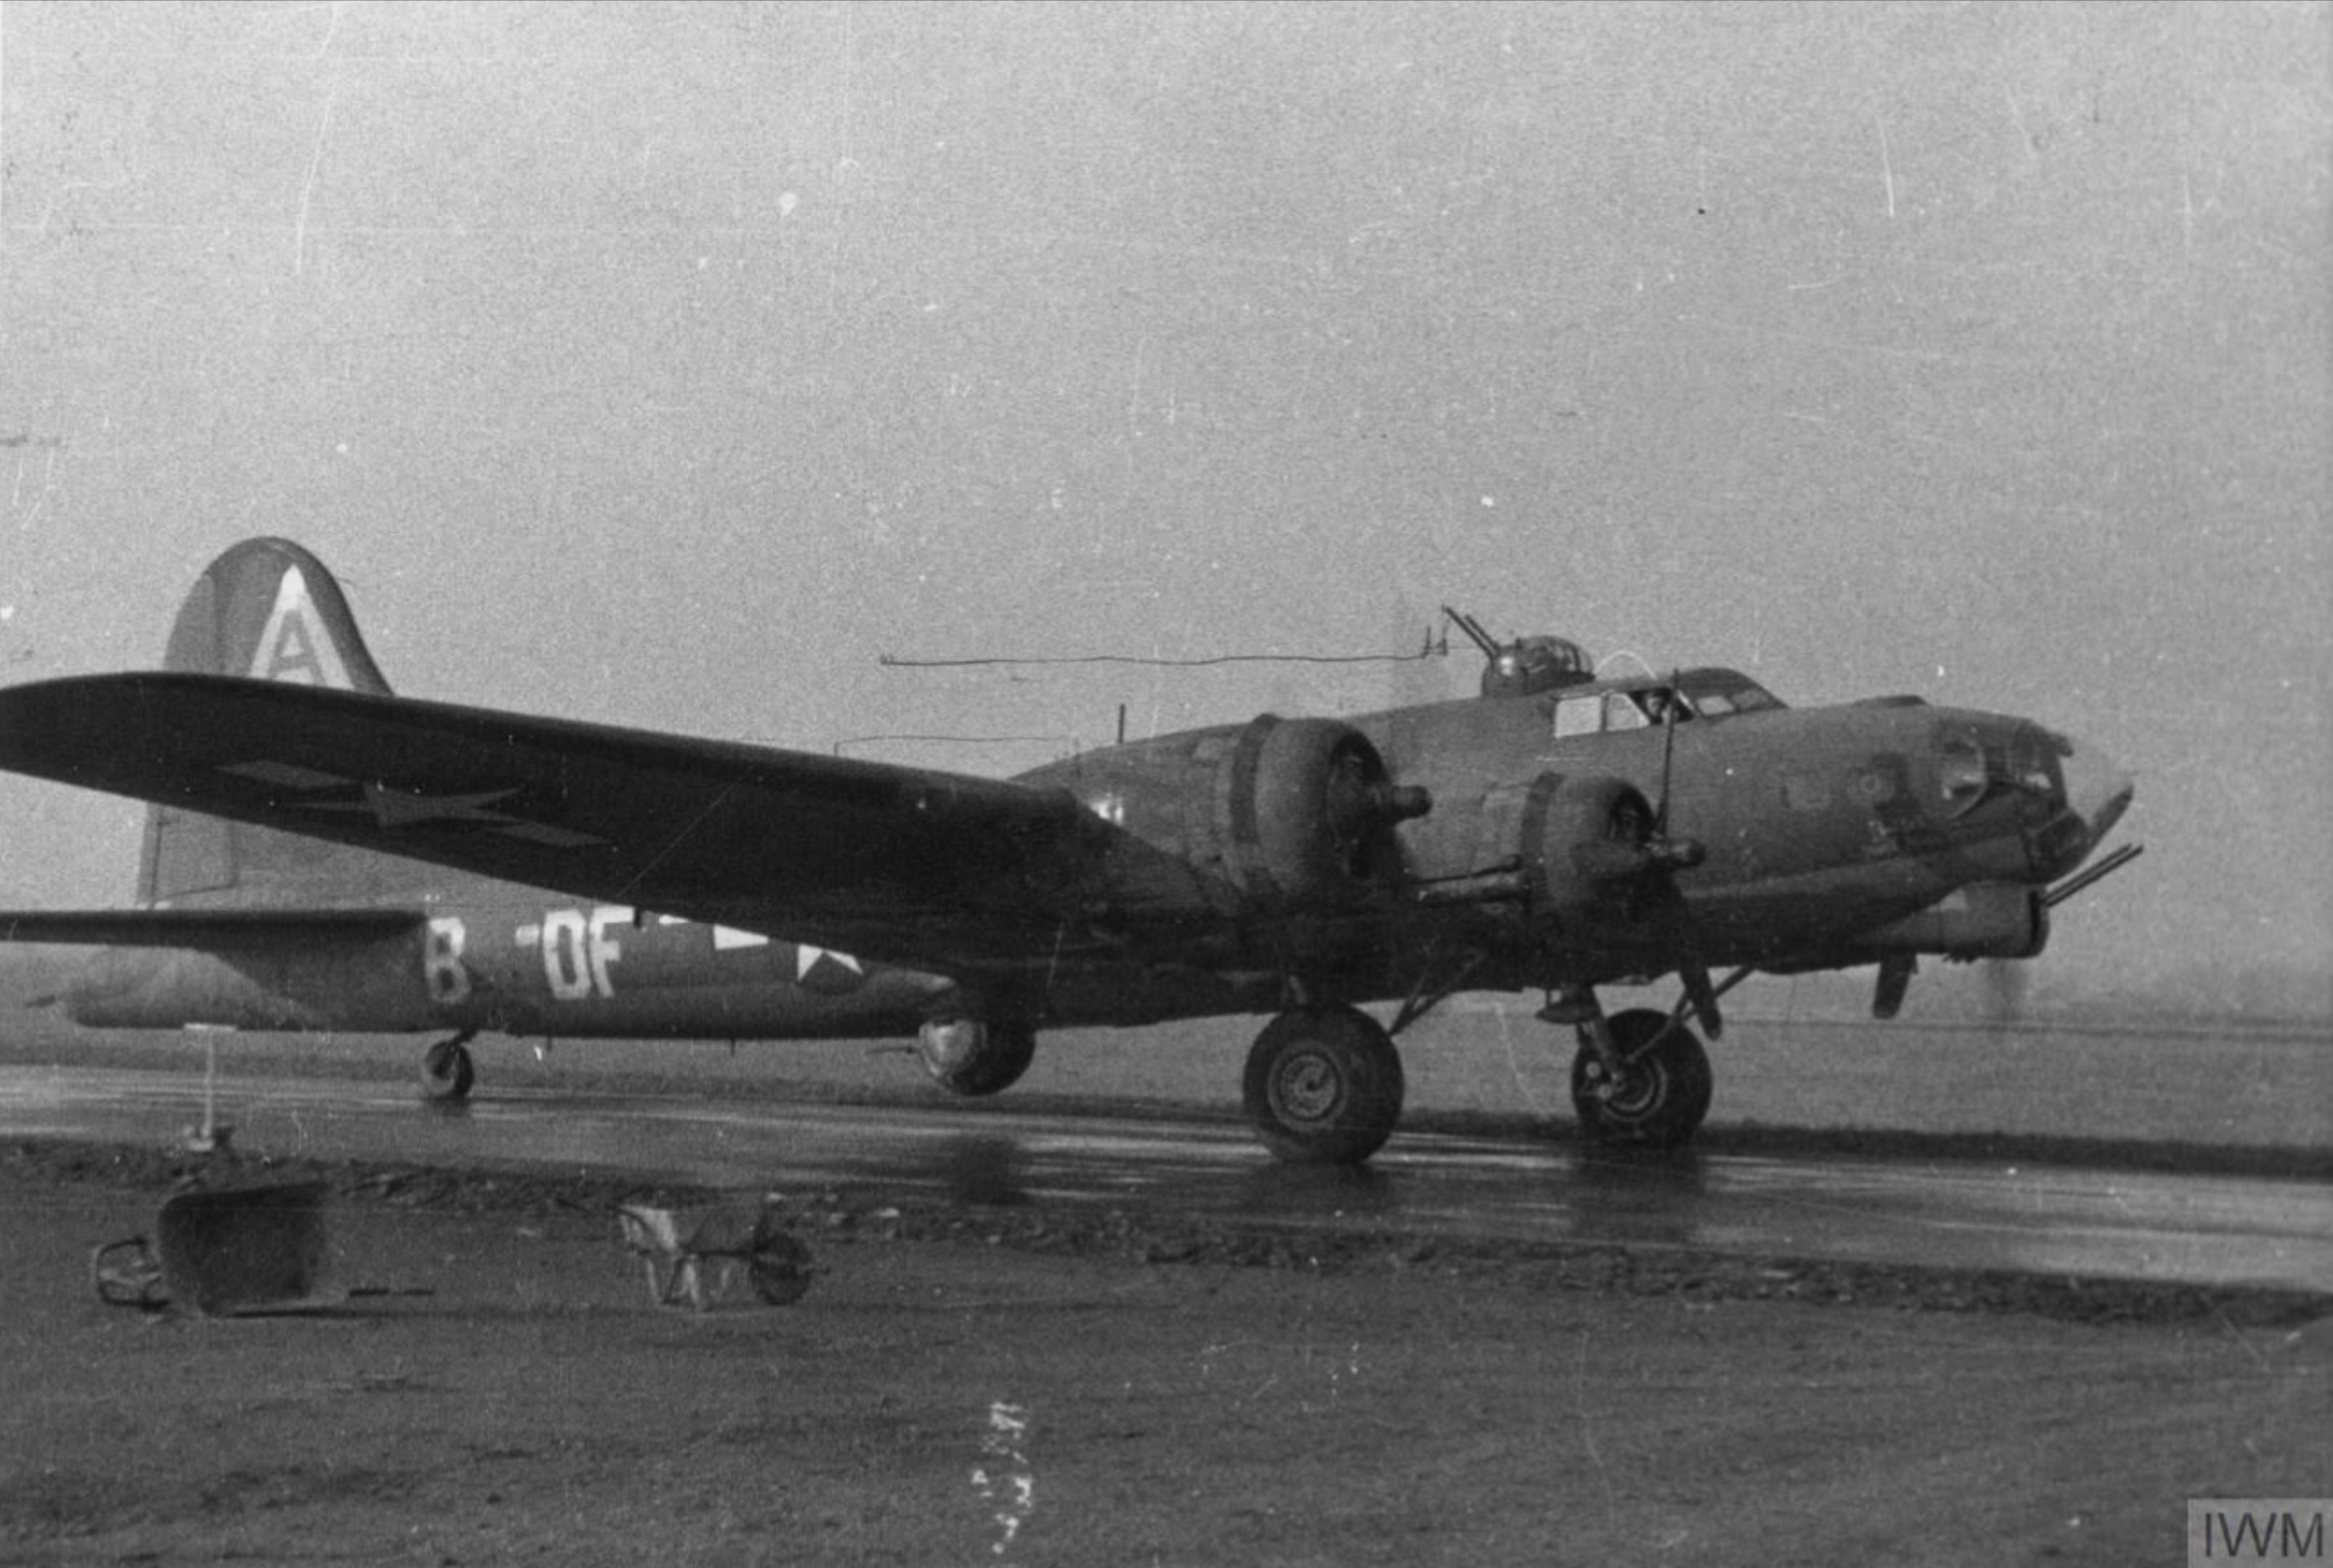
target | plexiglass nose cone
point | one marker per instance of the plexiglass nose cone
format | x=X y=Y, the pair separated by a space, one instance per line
x=2097 y=790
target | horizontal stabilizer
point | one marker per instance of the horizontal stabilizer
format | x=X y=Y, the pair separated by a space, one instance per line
x=200 y=929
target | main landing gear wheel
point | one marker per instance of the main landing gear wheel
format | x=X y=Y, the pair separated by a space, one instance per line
x=1658 y=1100
x=448 y=1072
x=1323 y=1086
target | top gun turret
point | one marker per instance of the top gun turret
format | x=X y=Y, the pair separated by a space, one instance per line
x=1526 y=667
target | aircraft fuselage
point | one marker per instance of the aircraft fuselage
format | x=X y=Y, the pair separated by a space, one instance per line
x=498 y=961
x=1823 y=828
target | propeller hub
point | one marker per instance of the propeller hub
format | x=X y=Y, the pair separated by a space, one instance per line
x=1676 y=854
x=1405 y=802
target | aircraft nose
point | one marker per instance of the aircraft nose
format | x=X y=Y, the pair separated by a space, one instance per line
x=2097 y=790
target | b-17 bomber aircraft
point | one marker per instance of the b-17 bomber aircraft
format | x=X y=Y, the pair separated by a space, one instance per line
x=321 y=854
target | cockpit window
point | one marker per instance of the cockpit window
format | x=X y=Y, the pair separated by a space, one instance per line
x=1717 y=692
x=1591 y=714
x=1961 y=772
x=1695 y=694
x=1662 y=703
x=2030 y=762
x=1578 y=716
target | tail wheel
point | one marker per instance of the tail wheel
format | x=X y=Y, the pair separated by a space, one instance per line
x=1323 y=1086
x=973 y=1057
x=446 y=1071
x=1660 y=1096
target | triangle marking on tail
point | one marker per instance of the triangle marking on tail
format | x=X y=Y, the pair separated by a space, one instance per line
x=295 y=645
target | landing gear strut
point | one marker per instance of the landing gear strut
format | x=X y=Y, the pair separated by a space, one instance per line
x=446 y=1071
x=1323 y=1086
x=1645 y=1082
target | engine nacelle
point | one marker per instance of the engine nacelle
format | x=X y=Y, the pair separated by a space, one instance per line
x=1983 y=920
x=1304 y=811
x=1575 y=843
x=1293 y=814
x=972 y=1056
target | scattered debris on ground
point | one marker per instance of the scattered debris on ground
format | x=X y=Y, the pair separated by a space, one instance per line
x=1156 y=1234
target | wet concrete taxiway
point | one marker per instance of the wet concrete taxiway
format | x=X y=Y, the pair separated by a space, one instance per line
x=2187 y=1229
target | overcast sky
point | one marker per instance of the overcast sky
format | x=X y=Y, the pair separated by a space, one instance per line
x=666 y=365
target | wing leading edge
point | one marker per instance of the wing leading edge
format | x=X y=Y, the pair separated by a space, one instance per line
x=198 y=928
x=884 y=861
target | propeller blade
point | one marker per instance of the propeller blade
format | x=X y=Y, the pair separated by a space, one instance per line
x=1668 y=760
x=1667 y=856
x=1702 y=994
x=2004 y=990
x=1896 y=972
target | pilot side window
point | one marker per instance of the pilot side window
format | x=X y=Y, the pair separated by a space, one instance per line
x=1613 y=710
x=1578 y=716
x=1621 y=712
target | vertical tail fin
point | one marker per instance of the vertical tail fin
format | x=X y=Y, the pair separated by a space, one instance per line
x=268 y=610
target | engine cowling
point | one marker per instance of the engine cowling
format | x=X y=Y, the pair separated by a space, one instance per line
x=1577 y=845
x=1304 y=812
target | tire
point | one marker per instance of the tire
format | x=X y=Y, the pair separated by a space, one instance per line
x=447 y=1073
x=1664 y=1096
x=1323 y=1086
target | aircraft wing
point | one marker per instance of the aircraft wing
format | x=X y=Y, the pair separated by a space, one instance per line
x=196 y=928
x=880 y=860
